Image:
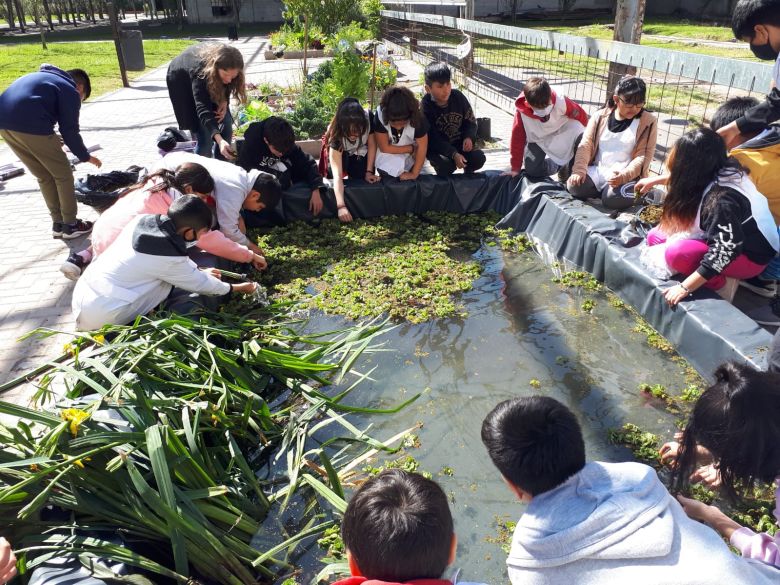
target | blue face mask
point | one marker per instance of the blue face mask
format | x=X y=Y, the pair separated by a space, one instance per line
x=764 y=52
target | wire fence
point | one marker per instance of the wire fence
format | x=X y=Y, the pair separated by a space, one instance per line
x=684 y=89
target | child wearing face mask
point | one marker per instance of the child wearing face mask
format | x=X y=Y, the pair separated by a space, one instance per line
x=616 y=149
x=757 y=22
x=545 y=132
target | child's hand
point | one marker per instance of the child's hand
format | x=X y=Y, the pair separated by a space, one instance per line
x=213 y=272
x=731 y=135
x=226 y=150
x=344 y=215
x=644 y=185
x=468 y=145
x=614 y=180
x=315 y=204
x=459 y=160
x=95 y=161
x=708 y=475
x=7 y=561
x=510 y=173
x=255 y=249
x=695 y=509
x=372 y=178
x=246 y=288
x=219 y=113
x=710 y=515
x=675 y=294
x=575 y=180
x=259 y=262
x=408 y=176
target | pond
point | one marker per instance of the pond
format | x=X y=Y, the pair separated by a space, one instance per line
x=524 y=334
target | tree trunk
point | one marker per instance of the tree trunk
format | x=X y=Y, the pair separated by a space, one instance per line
x=9 y=11
x=47 y=13
x=20 y=16
x=629 y=20
x=72 y=12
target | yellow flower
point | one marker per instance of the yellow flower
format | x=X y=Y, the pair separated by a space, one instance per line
x=99 y=339
x=34 y=468
x=69 y=348
x=75 y=416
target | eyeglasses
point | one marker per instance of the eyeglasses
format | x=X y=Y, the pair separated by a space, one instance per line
x=629 y=105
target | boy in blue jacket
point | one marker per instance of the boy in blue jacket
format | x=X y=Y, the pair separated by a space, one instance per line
x=29 y=109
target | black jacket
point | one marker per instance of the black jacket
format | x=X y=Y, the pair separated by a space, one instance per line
x=450 y=125
x=189 y=93
x=294 y=167
x=759 y=117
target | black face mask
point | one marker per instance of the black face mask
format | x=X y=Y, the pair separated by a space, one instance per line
x=764 y=52
x=190 y=231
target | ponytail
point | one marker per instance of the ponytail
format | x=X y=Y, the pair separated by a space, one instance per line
x=187 y=174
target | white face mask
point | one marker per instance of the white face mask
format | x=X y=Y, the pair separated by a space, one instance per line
x=543 y=112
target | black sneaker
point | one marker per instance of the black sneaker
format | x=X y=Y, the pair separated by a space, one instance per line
x=56 y=230
x=73 y=266
x=76 y=229
x=764 y=288
x=768 y=315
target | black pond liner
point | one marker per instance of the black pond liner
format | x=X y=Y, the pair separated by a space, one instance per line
x=704 y=328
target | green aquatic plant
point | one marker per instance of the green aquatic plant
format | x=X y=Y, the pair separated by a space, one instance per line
x=643 y=445
x=654 y=339
x=588 y=305
x=534 y=383
x=448 y=471
x=505 y=527
x=578 y=279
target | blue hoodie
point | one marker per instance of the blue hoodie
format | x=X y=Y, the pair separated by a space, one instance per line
x=616 y=523
x=35 y=102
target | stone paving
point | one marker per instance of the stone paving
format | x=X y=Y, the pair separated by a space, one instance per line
x=125 y=123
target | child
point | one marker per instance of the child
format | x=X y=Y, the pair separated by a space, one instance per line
x=401 y=134
x=546 y=131
x=270 y=147
x=143 y=265
x=351 y=150
x=736 y=423
x=29 y=109
x=200 y=82
x=757 y=22
x=597 y=523
x=715 y=224
x=398 y=529
x=453 y=127
x=616 y=149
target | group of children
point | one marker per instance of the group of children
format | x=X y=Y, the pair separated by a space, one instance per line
x=591 y=522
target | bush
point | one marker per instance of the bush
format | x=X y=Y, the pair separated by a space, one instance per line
x=350 y=34
x=327 y=15
x=351 y=78
x=310 y=118
x=369 y=11
x=292 y=37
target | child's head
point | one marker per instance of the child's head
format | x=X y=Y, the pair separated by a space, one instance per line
x=438 y=82
x=732 y=110
x=223 y=67
x=629 y=97
x=189 y=178
x=400 y=107
x=535 y=442
x=398 y=527
x=265 y=193
x=190 y=216
x=83 y=85
x=758 y=22
x=738 y=420
x=538 y=94
x=695 y=161
x=349 y=123
x=278 y=135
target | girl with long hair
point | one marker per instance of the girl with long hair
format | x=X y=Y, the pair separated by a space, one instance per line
x=715 y=223
x=351 y=150
x=616 y=149
x=201 y=81
x=401 y=134
x=734 y=426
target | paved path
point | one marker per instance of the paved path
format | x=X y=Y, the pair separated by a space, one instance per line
x=125 y=123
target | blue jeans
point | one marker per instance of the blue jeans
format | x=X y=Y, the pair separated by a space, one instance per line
x=206 y=145
x=772 y=270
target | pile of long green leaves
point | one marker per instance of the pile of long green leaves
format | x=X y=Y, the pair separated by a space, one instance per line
x=160 y=436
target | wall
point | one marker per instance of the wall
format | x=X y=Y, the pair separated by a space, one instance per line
x=199 y=11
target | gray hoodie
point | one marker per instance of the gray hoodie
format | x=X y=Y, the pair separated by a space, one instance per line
x=616 y=523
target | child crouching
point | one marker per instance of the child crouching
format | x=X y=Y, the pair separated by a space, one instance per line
x=401 y=134
x=398 y=529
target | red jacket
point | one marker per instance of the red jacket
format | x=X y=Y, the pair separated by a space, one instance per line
x=518 y=141
x=364 y=581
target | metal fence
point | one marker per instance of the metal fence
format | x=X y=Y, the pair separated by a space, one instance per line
x=684 y=88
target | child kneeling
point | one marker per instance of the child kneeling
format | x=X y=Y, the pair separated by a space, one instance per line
x=597 y=523
x=401 y=134
x=398 y=529
x=139 y=270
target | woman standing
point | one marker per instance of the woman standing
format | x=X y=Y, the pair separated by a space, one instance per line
x=200 y=83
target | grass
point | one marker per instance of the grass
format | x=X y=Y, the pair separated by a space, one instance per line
x=98 y=59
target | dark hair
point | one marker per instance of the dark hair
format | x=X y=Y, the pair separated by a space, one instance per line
x=269 y=188
x=398 y=527
x=399 y=104
x=535 y=442
x=189 y=211
x=188 y=174
x=80 y=77
x=631 y=89
x=696 y=160
x=350 y=116
x=748 y=13
x=279 y=133
x=437 y=72
x=537 y=92
x=738 y=420
x=732 y=110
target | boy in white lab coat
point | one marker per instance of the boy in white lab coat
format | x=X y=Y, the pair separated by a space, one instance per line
x=139 y=270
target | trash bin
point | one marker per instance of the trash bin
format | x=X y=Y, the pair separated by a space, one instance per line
x=232 y=32
x=133 y=50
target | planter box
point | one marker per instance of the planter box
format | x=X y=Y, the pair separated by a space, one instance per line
x=311 y=54
x=312 y=147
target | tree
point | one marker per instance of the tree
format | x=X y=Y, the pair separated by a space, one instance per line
x=565 y=6
x=9 y=14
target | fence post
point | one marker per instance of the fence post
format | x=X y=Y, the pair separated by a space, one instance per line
x=115 y=31
x=629 y=19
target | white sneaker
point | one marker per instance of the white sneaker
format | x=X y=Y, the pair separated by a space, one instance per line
x=73 y=267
